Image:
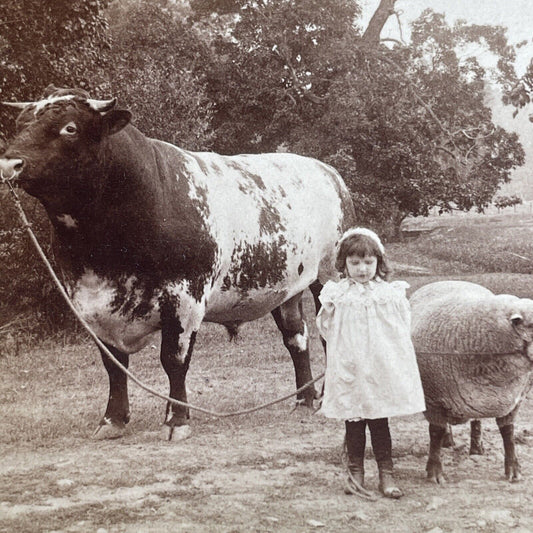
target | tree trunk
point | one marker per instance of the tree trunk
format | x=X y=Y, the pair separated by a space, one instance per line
x=373 y=31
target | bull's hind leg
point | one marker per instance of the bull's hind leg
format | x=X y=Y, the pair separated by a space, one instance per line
x=290 y=321
x=117 y=413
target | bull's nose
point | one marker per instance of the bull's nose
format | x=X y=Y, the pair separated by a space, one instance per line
x=10 y=168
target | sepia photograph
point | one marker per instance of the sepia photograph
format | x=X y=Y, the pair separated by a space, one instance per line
x=266 y=266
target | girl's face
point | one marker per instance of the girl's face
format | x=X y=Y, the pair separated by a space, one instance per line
x=361 y=269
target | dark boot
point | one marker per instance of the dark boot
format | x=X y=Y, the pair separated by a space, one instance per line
x=387 y=486
x=354 y=459
x=356 y=475
x=382 y=446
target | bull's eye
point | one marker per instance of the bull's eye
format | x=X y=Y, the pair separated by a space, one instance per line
x=69 y=130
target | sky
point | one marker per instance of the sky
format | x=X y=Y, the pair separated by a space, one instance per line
x=515 y=15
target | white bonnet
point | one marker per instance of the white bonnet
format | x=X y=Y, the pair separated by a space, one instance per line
x=362 y=231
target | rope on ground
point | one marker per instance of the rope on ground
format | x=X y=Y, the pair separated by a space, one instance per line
x=103 y=347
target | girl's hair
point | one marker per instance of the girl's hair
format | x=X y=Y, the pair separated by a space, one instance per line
x=362 y=245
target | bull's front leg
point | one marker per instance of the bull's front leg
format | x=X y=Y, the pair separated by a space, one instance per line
x=178 y=334
x=117 y=413
x=512 y=466
x=434 y=465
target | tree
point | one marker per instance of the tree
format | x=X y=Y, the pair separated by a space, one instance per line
x=501 y=202
x=159 y=71
x=406 y=125
x=274 y=69
x=67 y=38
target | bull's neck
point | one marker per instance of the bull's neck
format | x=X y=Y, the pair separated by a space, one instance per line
x=113 y=192
x=134 y=217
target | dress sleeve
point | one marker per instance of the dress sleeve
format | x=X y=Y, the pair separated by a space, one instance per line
x=400 y=286
x=325 y=314
x=404 y=307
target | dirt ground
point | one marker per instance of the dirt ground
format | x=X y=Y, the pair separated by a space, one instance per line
x=280 y=476
x=278 y=470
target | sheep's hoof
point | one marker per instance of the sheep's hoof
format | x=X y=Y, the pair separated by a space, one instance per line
x=434 y=472
x=513 y=471
x=477 y=448
x=447 y=440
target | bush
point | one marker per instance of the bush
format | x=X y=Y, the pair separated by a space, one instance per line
x=30 y=301
x=502 y=202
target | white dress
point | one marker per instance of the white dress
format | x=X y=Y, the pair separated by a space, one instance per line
x=371 y=369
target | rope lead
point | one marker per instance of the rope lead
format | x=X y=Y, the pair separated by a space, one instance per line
x=103 y=347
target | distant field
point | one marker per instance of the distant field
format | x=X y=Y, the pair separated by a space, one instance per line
x=467 y=244
x=495 y=251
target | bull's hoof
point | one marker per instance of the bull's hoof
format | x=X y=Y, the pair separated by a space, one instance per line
x=108 y=430
x=175 y=433
x=307 y=402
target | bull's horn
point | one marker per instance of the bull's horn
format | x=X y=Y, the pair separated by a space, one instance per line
x=102 y=105
x=19 y=105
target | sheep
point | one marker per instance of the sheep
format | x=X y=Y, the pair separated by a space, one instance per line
x=475 y=355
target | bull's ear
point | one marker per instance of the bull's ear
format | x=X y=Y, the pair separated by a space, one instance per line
x=116 y=120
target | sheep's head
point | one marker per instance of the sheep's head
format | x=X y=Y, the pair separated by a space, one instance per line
x=521 y=319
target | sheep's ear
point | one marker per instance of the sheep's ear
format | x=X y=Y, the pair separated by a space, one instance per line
x=525 y=333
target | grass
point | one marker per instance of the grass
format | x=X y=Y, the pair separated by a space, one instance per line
x=38 y=381
x=237 y=470
x=494 y=251
x=470 y=244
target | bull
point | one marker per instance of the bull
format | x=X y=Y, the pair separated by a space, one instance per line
x=149 y=236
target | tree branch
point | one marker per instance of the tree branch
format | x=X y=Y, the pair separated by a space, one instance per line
x=380 y=16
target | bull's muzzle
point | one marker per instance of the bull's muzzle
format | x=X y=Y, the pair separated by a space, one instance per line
x=10 y=168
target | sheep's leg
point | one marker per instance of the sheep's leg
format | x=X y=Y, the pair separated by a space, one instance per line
x=512 y=466
x=434 y=465
x=476 y=446
x=447 y=440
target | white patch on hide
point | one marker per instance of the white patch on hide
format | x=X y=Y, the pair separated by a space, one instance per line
x=190 y=314
x=299 y=340
x=68 y=220
x=93 y=296
x=50 y=100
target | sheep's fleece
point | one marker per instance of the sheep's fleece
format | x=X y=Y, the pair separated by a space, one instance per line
x=474 y=350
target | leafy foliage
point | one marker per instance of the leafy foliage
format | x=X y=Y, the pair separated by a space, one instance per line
x=67 y=37
x=502 y=201
x=159 y=72
x=407 y=127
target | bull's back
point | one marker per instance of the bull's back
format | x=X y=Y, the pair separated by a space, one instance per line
x=275 y=219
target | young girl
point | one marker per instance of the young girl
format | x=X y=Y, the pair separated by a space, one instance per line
x=371 y=371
